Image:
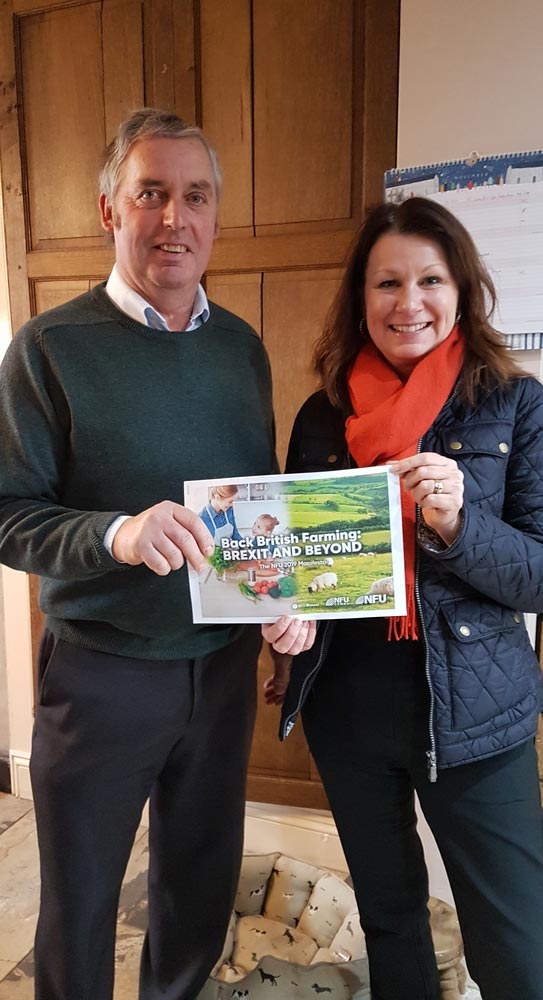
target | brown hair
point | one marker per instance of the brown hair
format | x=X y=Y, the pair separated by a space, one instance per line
x=223 y=492
x=487 y=360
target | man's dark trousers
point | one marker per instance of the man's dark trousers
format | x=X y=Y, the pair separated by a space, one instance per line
x=109 y=733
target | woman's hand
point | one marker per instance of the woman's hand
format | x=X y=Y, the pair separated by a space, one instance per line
x=290 y=635
x=437 y=486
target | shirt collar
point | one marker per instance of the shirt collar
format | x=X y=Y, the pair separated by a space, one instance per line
x=134 y=305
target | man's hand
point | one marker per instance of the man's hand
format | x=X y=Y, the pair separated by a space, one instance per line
x=163 y=537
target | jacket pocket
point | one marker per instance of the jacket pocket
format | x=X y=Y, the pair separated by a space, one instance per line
x=489 y=660
x=492 y=438
x=482 y=451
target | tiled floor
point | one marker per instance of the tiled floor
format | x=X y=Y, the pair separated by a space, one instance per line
x=19 y=893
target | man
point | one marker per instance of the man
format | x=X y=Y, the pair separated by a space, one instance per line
x=107 y=404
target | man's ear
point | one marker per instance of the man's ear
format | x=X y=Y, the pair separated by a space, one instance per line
x=217 y=229
x=106 y=214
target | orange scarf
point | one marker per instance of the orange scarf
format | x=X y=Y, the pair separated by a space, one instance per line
x=390 y=417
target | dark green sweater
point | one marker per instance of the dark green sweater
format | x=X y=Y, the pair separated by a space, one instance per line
x=101 y=416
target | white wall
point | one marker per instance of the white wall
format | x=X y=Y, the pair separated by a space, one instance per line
x=471 y=78
x=15 y=643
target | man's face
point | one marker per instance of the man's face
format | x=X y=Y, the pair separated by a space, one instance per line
x=163 y=219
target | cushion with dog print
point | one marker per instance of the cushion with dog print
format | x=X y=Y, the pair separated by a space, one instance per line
x=258 y=936
x=329 y=903
x=349 y=942
x=253 y=883
x=290 y=886
x=315 y=946
x=273 y=979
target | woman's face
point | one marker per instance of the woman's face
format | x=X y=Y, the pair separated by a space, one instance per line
x=222 y=503
x=410 y=299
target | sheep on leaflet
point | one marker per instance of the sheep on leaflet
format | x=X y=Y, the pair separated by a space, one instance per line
x=383 y=586
x=322 y=581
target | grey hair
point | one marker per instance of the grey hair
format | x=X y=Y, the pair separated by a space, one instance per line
x=146 y=123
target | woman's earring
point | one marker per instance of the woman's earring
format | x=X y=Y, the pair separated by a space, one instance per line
x=361 y=324
x=458 y=317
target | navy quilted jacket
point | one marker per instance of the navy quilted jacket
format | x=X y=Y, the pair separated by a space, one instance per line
x=485 y=680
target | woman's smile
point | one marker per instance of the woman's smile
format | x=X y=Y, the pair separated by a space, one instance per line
x=410 y=299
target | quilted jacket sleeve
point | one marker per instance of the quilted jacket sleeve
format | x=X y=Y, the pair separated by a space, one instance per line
x=500 y=555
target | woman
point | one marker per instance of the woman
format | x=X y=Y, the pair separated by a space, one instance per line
x=444 y=701
x=218 y=514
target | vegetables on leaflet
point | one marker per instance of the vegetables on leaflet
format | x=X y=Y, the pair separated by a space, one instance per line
x=249 y=592
x=287 y=586
x=217 y=560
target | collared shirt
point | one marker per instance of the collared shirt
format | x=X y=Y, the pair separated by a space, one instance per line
x=135 y=306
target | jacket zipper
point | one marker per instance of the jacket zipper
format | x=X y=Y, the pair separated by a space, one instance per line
x=290 y=721
x=431 y=754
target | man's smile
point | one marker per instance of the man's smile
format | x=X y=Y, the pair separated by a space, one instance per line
x=173 y=247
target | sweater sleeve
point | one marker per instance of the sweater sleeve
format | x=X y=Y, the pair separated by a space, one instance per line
x=502 y=557
x=38 y=533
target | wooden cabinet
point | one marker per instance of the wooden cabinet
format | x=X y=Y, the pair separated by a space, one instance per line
x=299 y=97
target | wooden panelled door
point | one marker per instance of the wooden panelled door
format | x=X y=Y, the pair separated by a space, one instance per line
x=298 y=96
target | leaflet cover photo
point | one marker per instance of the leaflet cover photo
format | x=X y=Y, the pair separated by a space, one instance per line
x=318 y=545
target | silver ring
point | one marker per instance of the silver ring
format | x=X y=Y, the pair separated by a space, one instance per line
x=438 y=486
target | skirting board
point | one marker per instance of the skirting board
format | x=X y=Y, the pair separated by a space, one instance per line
x=307 y=834
x=19 y=765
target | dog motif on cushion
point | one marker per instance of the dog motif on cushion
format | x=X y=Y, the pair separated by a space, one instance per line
x=253 y=883
x=329 y=903
x=295 y=934
x=348 y=943
x=273 y=979
x=289 y=889
x=258 y=936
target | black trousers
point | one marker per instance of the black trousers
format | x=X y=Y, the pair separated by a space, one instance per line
x=367 y=726
x=109 y=733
